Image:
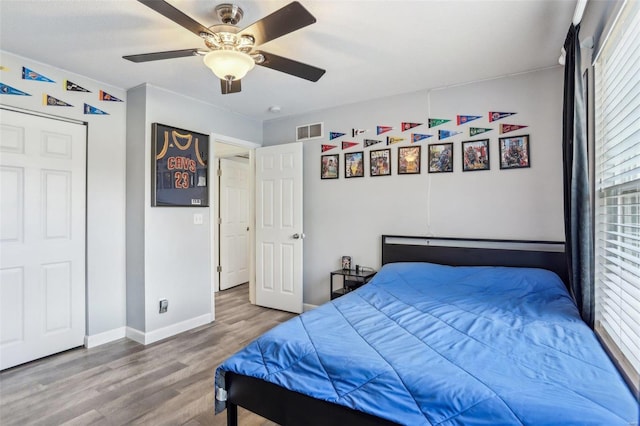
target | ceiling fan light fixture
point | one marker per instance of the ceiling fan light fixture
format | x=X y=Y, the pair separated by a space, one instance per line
x=229 y=64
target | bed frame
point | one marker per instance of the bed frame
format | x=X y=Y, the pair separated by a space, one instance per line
x=286 y=407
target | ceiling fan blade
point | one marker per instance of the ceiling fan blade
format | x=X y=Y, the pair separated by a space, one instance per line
x=176 y=15
x=225 y=89
x=289 y=66
x=283 y=21
x=157 y=56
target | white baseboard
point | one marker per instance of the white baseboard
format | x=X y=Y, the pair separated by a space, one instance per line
x=104 y=337
x=308 y=307
x=168 y=331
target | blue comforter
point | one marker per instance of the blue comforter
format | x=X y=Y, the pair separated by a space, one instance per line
x=426 y=344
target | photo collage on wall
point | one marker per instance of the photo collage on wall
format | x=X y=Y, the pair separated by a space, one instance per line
x=514 y=151
x=83 y=98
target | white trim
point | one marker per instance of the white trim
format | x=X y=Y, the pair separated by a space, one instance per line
x=104 y=337
x=308 y=307
x=168 y=331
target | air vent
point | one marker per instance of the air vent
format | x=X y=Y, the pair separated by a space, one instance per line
x=309 y=131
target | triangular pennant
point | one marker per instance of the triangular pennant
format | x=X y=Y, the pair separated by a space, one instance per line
x=477 y=130
x=369 y=142
x=334 y=135
x=73 y=87
x=462 y=119
x=383 y=129
x=407 y=126
x=51 y=101
x=356 y=132
x=391 y=140
x=433 y=122
x=347 y=145
x=506 y=128
x=417 y=137
x=494 y=116
x=28 y=74
x=328 y=147
x=443 y=134
x=3 y=68
x=8 y=90
x=88 y=109
x=104 y=96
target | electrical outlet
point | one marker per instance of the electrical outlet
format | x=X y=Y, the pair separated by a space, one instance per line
x=164 y=305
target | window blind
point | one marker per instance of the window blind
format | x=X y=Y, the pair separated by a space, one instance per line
x=617 y=233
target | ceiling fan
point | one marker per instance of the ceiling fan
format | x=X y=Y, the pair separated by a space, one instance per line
x=230 y=50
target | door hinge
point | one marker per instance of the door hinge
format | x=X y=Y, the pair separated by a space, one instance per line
x=219 y=268
x=219 y=172
x=219 y=221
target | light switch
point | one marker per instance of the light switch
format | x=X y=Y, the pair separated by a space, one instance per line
x=197 y=219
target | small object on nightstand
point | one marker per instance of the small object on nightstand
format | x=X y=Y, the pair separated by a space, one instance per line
x=351 y=280
x=357 y=269
x=346 y=262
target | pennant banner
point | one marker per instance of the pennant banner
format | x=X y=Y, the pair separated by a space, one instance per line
x=28 y=74
x=417 y=137
x=3 y=68
x=369 y=142
x=51 y=101
x=506 y=128
x=477 y=130
x=443 y=134
x=334 y=135
x=347 y=145
x=391 y=140
x=8 y=90
x=407 y=126
x=356 y=132
x=494 y=116
x=383 y=129
x=433 y=122
x=88 y=109
x=462 y=119
x=104 y=96
x=328 y=147
x=72 y=87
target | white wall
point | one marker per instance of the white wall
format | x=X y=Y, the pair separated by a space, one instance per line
x=105 y=179
x=347 y=216
x=177 y=255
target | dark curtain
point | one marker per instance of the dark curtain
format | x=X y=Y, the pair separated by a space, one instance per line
x=577 y=203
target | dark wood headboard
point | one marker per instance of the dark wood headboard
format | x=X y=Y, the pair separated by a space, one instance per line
x=476 y=252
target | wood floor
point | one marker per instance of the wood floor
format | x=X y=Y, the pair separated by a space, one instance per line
x=165 y=383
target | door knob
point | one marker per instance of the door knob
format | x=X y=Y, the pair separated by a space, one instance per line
x=296 y=236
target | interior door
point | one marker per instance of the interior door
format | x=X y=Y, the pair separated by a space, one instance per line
x=279 y=231
x=234 y=223
x=42 y=236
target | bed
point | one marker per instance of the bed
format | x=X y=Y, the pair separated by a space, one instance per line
x=449 y=331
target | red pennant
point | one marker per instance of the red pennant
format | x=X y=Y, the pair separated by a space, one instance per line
x=506 y=128
x=328 y=147
x=407 y=126
x=383 y=129
x=347 y=145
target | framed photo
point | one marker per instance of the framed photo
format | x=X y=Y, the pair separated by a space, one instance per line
x=409 y=160
x=514 y=152
x=354 y=164
x=380 y=162
x=179 y=167
x=346 y=262
x=441 y=158
x=329 y=166
x=475 y=155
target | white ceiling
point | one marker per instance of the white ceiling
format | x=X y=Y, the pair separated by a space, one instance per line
x=370 y=49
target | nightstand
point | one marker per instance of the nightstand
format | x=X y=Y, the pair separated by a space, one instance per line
x=351 y=280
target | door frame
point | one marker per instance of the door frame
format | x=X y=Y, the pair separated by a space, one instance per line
x=213 y=212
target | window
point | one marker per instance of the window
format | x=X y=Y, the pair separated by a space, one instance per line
x=617 y=233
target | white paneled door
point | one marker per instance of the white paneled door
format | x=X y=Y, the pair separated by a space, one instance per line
x=42 y=236
x=279 y=232
x=234 y=223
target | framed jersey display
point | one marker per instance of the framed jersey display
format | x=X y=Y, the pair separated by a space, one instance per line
x=180 y=161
